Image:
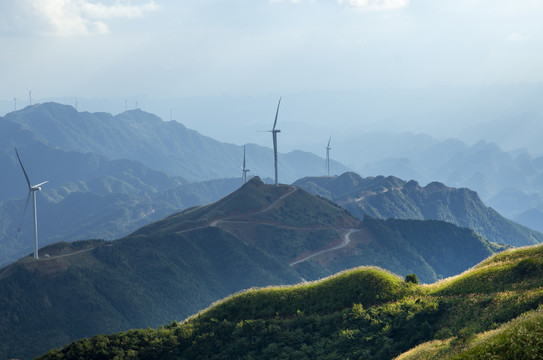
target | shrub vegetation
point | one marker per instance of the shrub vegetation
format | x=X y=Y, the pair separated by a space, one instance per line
x=491 y=311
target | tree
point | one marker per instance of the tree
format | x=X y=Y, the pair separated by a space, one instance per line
x=411 y=278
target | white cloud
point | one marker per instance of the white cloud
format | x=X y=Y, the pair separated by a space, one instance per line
x=372 y=5
x=102 y=11
x=82 y=17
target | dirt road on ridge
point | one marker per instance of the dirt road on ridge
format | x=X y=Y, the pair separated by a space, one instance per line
x=267 y=208
x=346 y=241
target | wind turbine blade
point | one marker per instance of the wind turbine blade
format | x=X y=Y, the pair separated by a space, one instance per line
x=22 y=217
x=22 y=167
x=40 y=184
x=276 y=113
x=329 y=142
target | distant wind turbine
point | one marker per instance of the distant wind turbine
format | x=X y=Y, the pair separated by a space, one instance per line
x=15 y=103
x=32 y=189
x=243 y=168
x=274 y=134
x=328 y=148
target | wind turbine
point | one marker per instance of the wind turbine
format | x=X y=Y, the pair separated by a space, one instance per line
x=32 y=189
x=243 y=168
x=274 y=134
x=328 y=155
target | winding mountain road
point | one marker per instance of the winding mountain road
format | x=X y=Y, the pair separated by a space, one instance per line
x=346 y=235
x=267 y=208
x=346 y=241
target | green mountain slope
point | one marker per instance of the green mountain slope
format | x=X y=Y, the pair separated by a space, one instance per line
x=259 y=235
x=363 y=313
x=389 y=197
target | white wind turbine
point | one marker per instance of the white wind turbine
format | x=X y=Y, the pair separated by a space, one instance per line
x=328 y=155
x=32 y=189
x=274 y=134
x=243 y=168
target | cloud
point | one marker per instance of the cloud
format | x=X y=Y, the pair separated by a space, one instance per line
x=82 y=17
x=374 y=5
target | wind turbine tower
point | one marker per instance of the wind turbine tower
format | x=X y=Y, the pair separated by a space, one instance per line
x=30 y=96
x=328 y=155
x=32 y=189
x=15 y=103
x=274 y=132
x=243 y=168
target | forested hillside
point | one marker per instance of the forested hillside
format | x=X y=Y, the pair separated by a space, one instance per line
x=363 y=313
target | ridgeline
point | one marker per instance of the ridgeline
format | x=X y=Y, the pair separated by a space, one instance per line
x=260 y=235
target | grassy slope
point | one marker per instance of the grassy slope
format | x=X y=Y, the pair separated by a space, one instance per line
x=363 y=313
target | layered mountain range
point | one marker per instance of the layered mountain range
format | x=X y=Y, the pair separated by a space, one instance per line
x=390 y=197
x=165 y=146
x=257 y=236
x=108 y=174
x=126 y=177
x=511 y=181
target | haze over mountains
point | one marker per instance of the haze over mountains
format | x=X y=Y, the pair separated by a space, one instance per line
x=109 y=175
x=259 y=235
x=483 y=138
x=434 y=112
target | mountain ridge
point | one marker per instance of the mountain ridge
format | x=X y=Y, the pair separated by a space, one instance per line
x=174 y=267
x=390 y=197
x=167 y=146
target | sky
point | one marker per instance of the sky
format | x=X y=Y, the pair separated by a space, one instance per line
x=168 y=49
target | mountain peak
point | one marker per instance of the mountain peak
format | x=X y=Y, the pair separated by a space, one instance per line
x=436 y=186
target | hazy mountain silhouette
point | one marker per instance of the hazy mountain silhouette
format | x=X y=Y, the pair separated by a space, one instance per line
x=166 y=146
